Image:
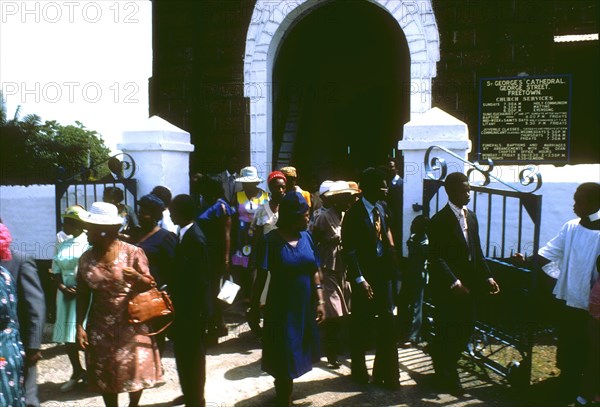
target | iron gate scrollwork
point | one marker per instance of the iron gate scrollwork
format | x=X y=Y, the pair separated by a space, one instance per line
x=84 y=188
x=506 y=323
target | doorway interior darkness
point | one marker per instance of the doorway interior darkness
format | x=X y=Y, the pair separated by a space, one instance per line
x=340 y=91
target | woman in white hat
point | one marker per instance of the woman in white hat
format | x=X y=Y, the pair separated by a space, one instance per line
x=246 y=203
x=327 y=232
x=119 y=357
x=64 y=269
x=321 y=204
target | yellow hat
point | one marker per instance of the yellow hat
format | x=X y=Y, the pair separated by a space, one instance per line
x=289 y=172
x=76 y=212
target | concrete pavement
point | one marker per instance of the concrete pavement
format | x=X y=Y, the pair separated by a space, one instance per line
x=235 y=379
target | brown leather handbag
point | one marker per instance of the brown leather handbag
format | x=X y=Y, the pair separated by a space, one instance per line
x=151 y=306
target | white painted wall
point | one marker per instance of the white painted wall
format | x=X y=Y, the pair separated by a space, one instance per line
x=29 y=214
x=161 y=153
x=558 y=188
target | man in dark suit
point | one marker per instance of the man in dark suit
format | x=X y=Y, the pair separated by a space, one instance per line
x=192 y=299
x=369 y=253
x=31 y=311
x=458 y=274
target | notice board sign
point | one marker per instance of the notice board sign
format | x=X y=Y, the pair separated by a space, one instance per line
x=525 y=119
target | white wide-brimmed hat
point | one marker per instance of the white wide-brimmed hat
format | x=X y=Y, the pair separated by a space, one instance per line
x=249 y=174
x=339 y=187
x=103 y=213
x=324 y=187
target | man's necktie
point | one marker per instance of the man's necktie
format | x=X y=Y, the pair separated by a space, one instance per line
x=377 y=223
x=465 y=229
x=378 y=231
x=463 y=224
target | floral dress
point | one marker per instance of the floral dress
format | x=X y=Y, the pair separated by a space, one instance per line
x=11 y=348
x=118 y=358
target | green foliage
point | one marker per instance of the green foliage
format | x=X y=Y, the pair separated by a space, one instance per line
x=32 y=152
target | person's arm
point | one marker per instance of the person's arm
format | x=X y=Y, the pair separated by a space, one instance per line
x=68 y=292
x=258 y=231
x=82 y=305
x=31 y=300
x=139 y=275
x=319 y=294
x=258 y=287
x=321 y=226
x=439 y=243
x=227 y=239
x=554 y=250
x=350 y=242
x=55 y=271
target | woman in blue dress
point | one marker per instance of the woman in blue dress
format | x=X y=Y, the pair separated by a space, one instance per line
x=294 y=303
x=11 y=348
x=215 y=222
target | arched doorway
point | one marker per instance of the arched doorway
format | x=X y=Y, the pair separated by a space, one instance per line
x=273 y=21
x=340 y=94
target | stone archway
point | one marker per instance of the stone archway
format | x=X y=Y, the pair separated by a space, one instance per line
x=268 y=27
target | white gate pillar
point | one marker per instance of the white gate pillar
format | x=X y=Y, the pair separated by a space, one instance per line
x=162 y=156
x=434 y=127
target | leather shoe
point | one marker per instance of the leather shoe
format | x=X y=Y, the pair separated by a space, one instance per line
x=333 y=364
x=72 y=382
x=179 y=401
x=360 y=378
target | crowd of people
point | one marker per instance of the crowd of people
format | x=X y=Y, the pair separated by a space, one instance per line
x=316 y=270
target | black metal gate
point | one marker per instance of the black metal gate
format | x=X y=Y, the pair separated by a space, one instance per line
x=82 y=189
x=510 y=222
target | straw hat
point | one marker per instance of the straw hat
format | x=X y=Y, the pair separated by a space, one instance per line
x=103 y=213
x=76 y=212
x=337 y=188
x=249 y=174
x=289 y=172
x=354 y=187
x=324 y=186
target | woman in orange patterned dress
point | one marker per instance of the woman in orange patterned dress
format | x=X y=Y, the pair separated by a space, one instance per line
x=119 y=357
